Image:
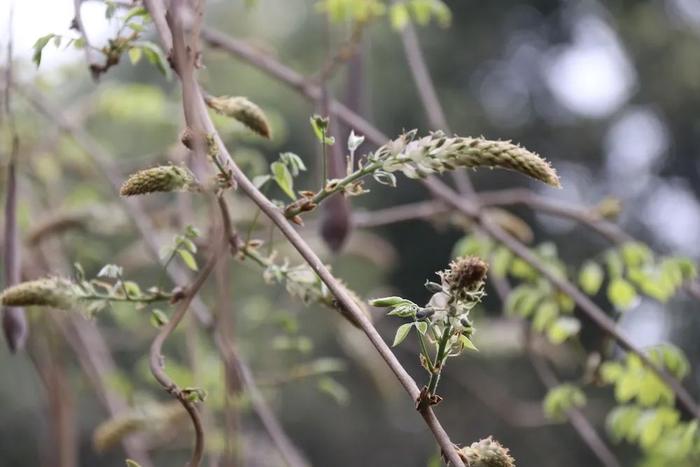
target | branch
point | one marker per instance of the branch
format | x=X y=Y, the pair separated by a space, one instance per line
x=148 y=234
x=93 y=64
x=155 y=357
x=468 y=207
x=14 y=320
x=190 y=90
x=428 y=95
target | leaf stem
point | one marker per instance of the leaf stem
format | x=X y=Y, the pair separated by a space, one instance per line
x=439 y=360
x=338 y=186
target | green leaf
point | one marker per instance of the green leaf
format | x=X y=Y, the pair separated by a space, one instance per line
x=563 y=328
x=422 y=327
x=158 y=318
x=635 y=254
x=398 y=16
x=590 y=277
x=155 y=56
x=135 y=54
x=401 y=333
x=284 y=179
x=621 y=294
x=467 y=343
x=111 y=9
x=134 y=12
x=546 y=313
x=260 y=180
x=522 y=301
x=130 y=463
x=500 y=261
x=293 y=162
x=387 y=301
x=614 y=263
x=334 y=389
x=188 y=259
x=111 y=271
x=39 y=48
x=320 y=127
x=560 y=399
x=622 y=421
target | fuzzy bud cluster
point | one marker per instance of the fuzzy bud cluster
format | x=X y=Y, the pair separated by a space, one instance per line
x=464 y=276
x=243 y=110
x=53 y=292
x=486 y=453
x=164 y=178
x=438 y=153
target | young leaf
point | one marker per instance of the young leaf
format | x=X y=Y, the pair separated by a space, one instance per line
x=134 y=12
x=110 y=270
x=563 y=328
x=621 y=294
x=39 y=48
x=154 y=55
x=399 y=16
x=130 y=463
x=135 y=54
x=320 y=127
x=467 y=343
x=590 y=277
x=354 y=141
x=260 y=180
x=401 y=333
x=422 y=327
x=284 y=179
x=387 y=301
x=293 y=162
x=188 y=259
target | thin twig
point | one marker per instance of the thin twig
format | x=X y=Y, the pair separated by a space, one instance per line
x=155 y=357
x=428 y=96
x=148 y=234
x=195 y=109
x=14 y=320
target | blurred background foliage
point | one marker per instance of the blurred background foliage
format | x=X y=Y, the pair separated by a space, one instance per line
x=608 y=91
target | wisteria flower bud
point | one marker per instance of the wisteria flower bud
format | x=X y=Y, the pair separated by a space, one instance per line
x=52 y=292
x=242 y=110
x=437 y=153
x=164 y=178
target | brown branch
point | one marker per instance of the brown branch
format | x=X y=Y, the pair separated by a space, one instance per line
x=14 y=320
x=148 y=234
x=468 y=207
x=428 y=95
x=190 y=90
x=578 y=420
x=155 y=357
x=96 y=68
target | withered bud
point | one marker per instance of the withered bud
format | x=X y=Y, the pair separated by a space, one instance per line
x=486 y=453
x=464 y=274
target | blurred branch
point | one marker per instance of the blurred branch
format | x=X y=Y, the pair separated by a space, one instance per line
x=578 y=420
x=14 y=320
x=93 y=63
x=148 y=234
x=428 y=95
